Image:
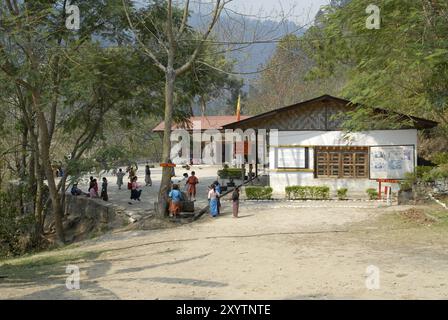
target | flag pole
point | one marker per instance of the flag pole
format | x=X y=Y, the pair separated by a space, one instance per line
x=238 y=108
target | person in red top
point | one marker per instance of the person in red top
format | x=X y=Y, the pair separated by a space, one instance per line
x=192 y=181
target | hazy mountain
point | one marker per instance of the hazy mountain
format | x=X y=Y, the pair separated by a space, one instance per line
x=235 y=28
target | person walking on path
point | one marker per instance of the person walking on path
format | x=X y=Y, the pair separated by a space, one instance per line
x=104 y=195
x=213 y=197
x=148 y=180
x=120 y=175
x=236 y=201
x=136 y=192
x=192 y=181
x=175 y=201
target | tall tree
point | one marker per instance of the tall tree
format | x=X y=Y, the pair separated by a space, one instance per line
x=36 y=55
x=168 y=41
x=402 y=66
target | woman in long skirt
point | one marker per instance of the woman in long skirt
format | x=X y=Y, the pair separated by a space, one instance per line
x=213 y=198
x=104 y=195
x=236 y=202
x=148 y=180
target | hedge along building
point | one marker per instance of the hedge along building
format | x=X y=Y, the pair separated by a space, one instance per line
x=311 y=149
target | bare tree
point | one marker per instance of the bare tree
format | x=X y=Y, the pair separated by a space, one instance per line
x=172 y=34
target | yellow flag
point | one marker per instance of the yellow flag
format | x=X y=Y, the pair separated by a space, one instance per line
x=238 y=109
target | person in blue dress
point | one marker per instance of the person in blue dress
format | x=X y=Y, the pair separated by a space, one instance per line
x=219 y=191
x=213 y=197
x=175 y=201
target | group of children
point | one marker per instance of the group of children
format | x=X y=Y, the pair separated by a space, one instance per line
x=214 y=194
x=175 y=195
x=93 y=189
x=133 y=185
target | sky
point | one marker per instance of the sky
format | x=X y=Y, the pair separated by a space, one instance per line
x=298 y=11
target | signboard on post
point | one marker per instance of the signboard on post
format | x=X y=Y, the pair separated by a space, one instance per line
x=391 y=162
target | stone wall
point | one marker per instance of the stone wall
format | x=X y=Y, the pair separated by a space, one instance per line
x=85 y=217
x=421 y=192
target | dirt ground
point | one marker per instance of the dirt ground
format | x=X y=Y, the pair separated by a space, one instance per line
x=273 y=251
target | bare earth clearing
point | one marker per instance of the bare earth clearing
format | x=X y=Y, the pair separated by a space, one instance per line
x=274 y=251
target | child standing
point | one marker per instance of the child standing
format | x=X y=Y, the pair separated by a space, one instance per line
x=213 y=200
x=192 y=181
x=104 y=195
x=236 y=201
x=175 y=201
x=148 y=180
x=120 y=175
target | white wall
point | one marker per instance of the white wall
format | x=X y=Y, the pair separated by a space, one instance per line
x=279 y=180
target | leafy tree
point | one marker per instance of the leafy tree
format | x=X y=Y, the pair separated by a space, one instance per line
x=165 y=37
x=403 y=66
x=65 y=94
x=61 y=85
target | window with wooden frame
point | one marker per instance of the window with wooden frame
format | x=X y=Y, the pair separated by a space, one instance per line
x=341 y=162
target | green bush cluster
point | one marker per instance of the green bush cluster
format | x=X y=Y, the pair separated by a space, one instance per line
x=372 y=193
x=425 y=174
x=342 y=193
x=307 y=192
x=16 y=230
x=422 y=171
x=440 y=158
x=437 y=173
x=258 y=193
x=230 y=173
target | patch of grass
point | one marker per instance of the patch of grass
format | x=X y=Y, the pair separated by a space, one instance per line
x=125 y=222
x=424 y=216
x=441 y=217
x=40 y=265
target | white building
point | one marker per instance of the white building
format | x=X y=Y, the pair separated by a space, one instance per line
x=311 y=149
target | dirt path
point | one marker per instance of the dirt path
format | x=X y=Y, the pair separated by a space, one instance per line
x=272 y=252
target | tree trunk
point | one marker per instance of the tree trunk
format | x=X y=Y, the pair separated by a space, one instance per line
x=38 y=199
x=165 y=184
x=44 y=150
x=23 y=168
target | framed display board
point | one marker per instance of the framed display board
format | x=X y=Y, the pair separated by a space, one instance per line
x=292 y=157
x=391 y=162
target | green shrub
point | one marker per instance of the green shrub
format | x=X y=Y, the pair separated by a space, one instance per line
x=307 y=192
x=258 y=193
x=372 y=193
x=342 y=193
x=230 y=173
x=437 y=173
x=421 y=171
x=16 y=230
x=440 y=158
x=408 y=181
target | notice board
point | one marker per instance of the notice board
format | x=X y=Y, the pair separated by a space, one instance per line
x=391 y=162
x=289 y=158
